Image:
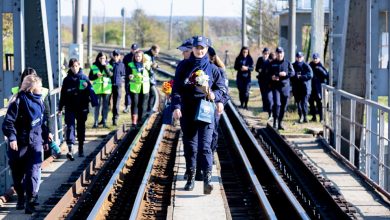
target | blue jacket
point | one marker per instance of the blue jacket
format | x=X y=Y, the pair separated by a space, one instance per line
x=117 y=73
x=128 y=58
x=284 y=81
x=186 y=96
x=24 y=121
x=73 y=96
x=263 y=68
x=320 y=75
x=301 y=85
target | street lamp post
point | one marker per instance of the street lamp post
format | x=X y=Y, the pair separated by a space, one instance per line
x=123 y=12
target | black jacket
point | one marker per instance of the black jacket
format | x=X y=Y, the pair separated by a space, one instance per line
x=320 y=75
x=301 y=85
x=74 y=97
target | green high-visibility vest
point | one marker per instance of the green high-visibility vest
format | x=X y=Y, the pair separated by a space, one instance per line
x=101 y=85
x=15 y=90
x=140 y=80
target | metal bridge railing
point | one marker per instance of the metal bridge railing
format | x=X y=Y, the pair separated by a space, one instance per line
x=361 y=142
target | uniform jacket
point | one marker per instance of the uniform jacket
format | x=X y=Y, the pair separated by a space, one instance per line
x=284 y=81
x=186 y=96
x=128 y=58
x=263 y=68
x=320 y=75
x=24 y=121
x=243 y=61
x=301 y=85
x=74 y=97
x=118 y=72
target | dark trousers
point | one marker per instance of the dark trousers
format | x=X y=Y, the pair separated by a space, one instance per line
x=70 y=121
x=103 y=102
x=315 y=106
x=197 y=138
x=152 y=97
x=302 y=103
x=280 y=104
x=116 y=100
x=139 y=103
x=127 y=92
x=243 y=86
x=214 y=141
x=25 y=166
x=265 y=91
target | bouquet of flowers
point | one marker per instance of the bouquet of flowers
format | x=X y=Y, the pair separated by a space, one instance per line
x=167 y=87
x=199 y=78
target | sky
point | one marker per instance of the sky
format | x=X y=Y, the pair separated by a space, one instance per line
x=215 y=8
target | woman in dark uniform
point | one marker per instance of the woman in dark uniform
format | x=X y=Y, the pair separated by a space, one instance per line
x=186 y=98
x=244 y=67
x=75 y=98
x=24 y=128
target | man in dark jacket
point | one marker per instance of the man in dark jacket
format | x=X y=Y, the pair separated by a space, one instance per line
x=116 y=80
x=320 y=75
x=301 y=85
x=281 y=72
x=126 y=60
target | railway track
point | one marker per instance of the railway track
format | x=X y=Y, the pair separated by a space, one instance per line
x=274 y=200
x=260 y=180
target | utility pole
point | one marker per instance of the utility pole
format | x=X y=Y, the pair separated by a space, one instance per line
x=170 y=27
x=77 y=37
x=76 y=48
x=243 y=25
x=203 y=31
x=123 y=12
x=317 y=28
x=89 y=55
x=292 y=29
x=260 y=25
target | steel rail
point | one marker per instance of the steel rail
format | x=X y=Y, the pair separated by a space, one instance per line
x=96 y=211
x=263 y=200
x=299 y=210
x=148 y=173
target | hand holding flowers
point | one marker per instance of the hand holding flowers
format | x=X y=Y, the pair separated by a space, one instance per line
x=200 y=79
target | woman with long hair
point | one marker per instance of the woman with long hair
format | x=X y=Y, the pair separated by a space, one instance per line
x=244 y=66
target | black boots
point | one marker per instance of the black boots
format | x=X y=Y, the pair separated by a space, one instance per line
x=20 y=203
x=207 y=187
x=69 y=155
x=198 y=175
x=30 y=208
x=190 y=180
x=275 y=124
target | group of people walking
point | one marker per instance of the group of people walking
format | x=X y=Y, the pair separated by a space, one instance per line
x=26 y=124
x=200 y=82
x=277 y=77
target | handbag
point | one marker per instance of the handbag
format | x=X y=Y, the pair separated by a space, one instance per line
x=205 y=111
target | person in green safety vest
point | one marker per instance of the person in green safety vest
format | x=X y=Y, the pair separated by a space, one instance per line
x=100 y=74
x=139 y=85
